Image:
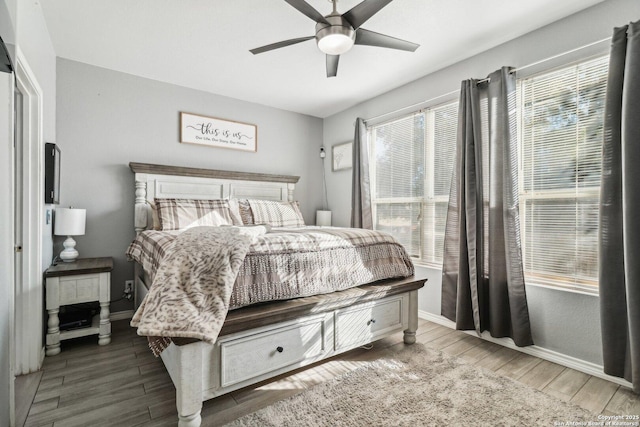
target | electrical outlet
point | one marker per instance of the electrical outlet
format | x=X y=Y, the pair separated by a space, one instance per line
x=128 y=287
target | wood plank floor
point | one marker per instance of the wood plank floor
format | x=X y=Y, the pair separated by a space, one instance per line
x=122 y=384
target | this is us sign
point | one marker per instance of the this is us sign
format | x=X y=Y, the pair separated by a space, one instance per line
x=214 y=132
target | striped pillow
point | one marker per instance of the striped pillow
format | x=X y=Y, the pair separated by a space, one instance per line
x=276 y=214
x=179 y=214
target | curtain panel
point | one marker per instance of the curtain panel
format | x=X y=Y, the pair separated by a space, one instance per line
x=482 y=276
x=361 y=216
x=619 y=238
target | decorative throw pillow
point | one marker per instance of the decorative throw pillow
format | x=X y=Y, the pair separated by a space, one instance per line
x=179 y=214
x=234 y=210
x=276 y=214
x=155 y=221
x=245 y=211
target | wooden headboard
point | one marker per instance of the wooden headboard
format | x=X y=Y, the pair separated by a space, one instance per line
x=159 y=181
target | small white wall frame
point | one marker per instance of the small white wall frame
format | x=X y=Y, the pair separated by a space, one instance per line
x=342 y=156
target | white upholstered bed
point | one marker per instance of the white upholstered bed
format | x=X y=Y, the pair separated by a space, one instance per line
x=264 y=340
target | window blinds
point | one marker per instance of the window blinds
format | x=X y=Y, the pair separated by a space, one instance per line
x=560 y=140
x=398 y=150
x=561 y=125
x=412 y=161
x=443 y=121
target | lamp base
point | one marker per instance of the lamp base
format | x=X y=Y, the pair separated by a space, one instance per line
x=323 y=218
x=69 y=254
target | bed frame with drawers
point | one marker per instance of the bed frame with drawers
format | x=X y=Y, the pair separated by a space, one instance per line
x=265 y=340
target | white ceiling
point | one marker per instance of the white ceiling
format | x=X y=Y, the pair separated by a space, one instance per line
x=204 y=44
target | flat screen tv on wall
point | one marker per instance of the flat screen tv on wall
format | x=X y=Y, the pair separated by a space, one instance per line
x=51 y=173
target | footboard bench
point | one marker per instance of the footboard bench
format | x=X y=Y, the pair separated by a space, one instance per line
x=262 y=341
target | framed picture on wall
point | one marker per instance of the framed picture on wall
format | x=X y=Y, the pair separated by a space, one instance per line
x=342 y=156
x=215 y=132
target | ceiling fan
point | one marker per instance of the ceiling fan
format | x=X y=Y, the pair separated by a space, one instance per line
x=337 y=33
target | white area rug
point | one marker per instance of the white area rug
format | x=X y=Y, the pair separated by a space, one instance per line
x=419 y=387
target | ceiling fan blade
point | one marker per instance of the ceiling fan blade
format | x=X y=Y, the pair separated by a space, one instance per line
x=332 y=65
x=370 y=38
x=278 y=45
x=307 y=10
x=361 y=12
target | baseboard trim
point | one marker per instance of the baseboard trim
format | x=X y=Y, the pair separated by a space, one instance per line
x=121 y=315
x=533 y=350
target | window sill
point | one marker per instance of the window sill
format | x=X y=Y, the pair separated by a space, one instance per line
x=427 y=265
x=566 y=288
x=576 y=289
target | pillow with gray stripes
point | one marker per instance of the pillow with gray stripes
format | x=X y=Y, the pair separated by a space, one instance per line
x=179 y=214
x=273 y=213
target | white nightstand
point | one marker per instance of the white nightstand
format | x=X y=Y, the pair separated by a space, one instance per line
x=84 y=280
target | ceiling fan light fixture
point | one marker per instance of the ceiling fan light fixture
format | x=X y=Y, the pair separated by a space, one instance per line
x=336 y=33
x=335 y=44
x=336 y=38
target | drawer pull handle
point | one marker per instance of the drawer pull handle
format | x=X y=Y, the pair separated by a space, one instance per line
x=371 y=321
x=279 y=349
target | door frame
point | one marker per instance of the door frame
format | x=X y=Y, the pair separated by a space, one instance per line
x=28 y=293
x=6 y=247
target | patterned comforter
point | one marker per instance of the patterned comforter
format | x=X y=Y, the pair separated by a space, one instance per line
x=296 y=262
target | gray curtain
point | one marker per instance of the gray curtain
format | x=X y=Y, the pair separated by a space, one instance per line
x=482 y=276
x=361 y=190
x=619 y=239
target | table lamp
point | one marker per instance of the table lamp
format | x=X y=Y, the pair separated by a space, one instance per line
x=70 y=222
x=323 y=218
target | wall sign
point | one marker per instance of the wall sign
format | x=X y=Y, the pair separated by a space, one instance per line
x=214 y=132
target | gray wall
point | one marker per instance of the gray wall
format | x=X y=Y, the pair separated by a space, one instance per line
x=7 y=21
x=564 y=322
x=107 y=119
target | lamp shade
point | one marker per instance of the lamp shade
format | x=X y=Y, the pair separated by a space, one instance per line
x=70 y=222
x=323 y=218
